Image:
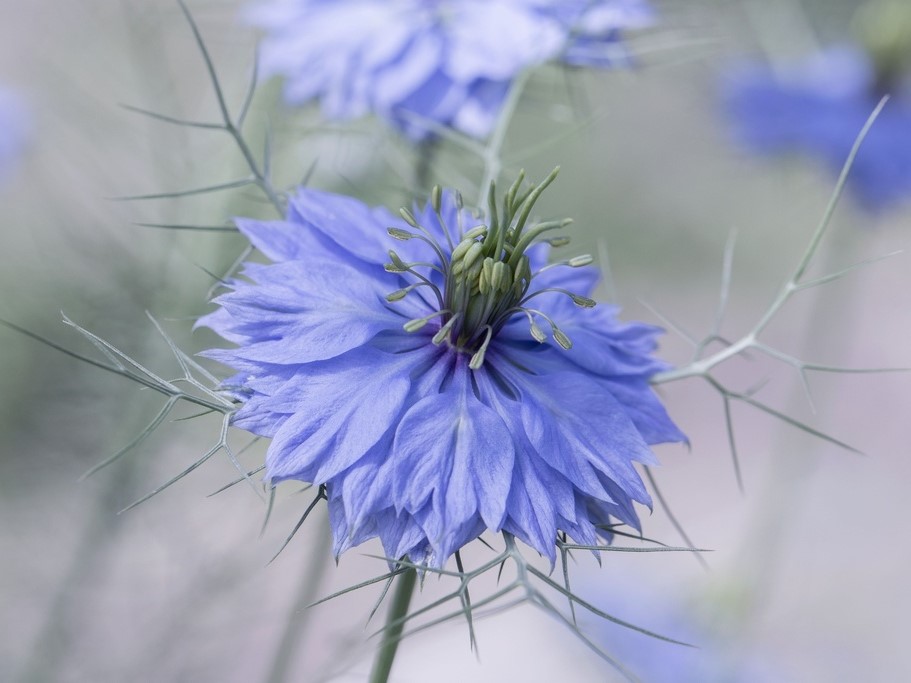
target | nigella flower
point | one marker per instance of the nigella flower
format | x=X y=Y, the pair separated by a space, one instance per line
x=417 y=63
x=451 y=384
x=721 y=653
x=818 y=109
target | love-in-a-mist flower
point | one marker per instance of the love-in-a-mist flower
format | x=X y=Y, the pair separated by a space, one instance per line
x=817 y=107
x=417 y=63
x=721 y=654
x=438 y=376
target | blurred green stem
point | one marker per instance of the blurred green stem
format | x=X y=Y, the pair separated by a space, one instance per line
x=52 y=644
x=392 y=634
x=300 y=617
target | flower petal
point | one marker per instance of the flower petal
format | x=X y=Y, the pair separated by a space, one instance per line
x=330 y=429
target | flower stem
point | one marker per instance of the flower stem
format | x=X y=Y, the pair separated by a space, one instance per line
x=385 y=656
x=301 y=617
x=493 y=163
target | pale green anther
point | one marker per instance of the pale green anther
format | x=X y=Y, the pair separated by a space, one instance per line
x=475 y=232
x=397 y=261
x=583 y=301
x=477 y=360
x=562 y=339
x=399 y=234
x=436 y=198
x=500 y=278
x=392 y=268
x=443 y=333
x=561 y=241
x=397 y=295
x=579 y=261
x=415 y=325
x=461 y=249
x=523 y=272
x=474 y=251
x=537 y=333
x=484 y=282
x=409 y=217
x=472 y=275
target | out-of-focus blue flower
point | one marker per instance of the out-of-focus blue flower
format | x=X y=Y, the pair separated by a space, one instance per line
x=818 y=109
x=13 y=130
x=717 y=655
x=419 y=385
x=443 y=62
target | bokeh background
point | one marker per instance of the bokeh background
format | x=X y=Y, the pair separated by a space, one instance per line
x=807 y=577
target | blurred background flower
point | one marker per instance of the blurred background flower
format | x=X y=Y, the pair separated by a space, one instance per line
x=421 y=64
x=707 y=621
x=817 y=106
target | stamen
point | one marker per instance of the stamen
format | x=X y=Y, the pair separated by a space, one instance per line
x=404 y=236
x=536 y=332
x=580 y=261
x=418 y=323
x=581 y=301
x=459 y=207
x=409 y=217
x=562 y=339
x=398 y=265
x=574 y=262
x=399 y=234
x=477 y=360
x=400 y=294
x=436 y=198
x=444 y=331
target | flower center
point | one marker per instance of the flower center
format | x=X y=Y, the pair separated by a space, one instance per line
x=485 y=280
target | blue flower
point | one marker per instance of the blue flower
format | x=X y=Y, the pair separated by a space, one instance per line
x=13 y=130
x=818 y=109
x=452 y=384
x=720 y=654
x=421 y=62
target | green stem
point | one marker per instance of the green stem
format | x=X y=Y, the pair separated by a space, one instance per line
x=423 y=176
x=385 y=656
x=301 y=617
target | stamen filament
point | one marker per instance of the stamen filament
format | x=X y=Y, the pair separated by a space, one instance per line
x=581 y=301
x=477 y=360
x=418 y=323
